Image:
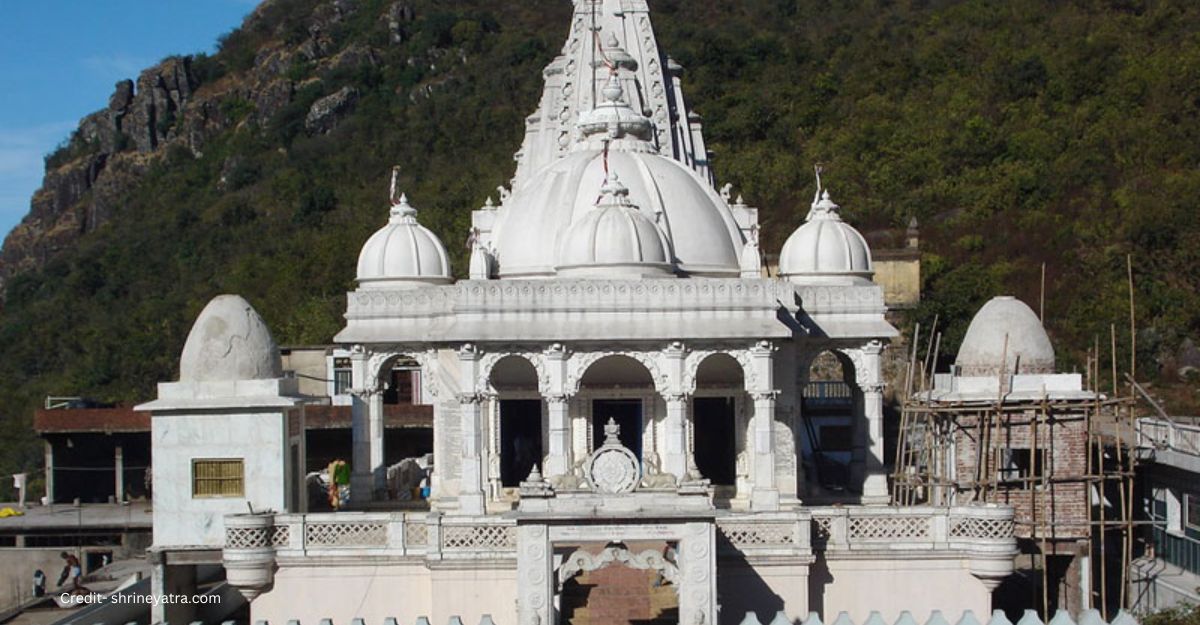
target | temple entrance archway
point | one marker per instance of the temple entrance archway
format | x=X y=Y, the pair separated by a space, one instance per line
x=720 y=387
x=561 y=564
x=519 y=423
x=622 y=389
x=618 y=584
x=829 y=399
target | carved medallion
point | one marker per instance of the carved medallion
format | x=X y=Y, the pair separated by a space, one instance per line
x=613 y=468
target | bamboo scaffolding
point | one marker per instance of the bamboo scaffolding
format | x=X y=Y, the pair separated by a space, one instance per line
x=930 y=446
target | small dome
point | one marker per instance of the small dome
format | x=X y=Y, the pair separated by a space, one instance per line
x=1005 y=330
x=229 y=342
x=825 y=248
x=614 y=238
x=403 y=254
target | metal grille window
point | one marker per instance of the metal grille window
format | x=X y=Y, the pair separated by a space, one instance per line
x=218 y=478
x=341 y=376
x=1191 y=511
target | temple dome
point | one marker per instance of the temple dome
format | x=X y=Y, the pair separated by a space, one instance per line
x=533 y=223
x=825 y=248
x=229 y=342
x=534 y=220
x=403 y=254
x=614 y=238
x=1005 y=330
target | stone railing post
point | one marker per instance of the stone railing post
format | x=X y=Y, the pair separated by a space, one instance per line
x=433 y=537
x=939 y=529
x=395 y=534
x=839 y=530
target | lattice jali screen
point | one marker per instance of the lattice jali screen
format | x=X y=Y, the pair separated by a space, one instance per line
x=758 y=534
x=972 y=527
x=822 y=527
x=416 y=535
x=247 y=537
x=889 y=527
x=281 y=536
x=360 y=534
x=479 y=537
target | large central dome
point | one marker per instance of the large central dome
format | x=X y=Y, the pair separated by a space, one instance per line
x=532 y=222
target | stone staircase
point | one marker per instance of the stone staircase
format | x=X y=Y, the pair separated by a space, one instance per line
x=619 y=595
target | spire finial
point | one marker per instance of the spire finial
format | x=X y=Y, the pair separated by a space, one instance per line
x=395 y=181
x=818 y=168
x=401 y=209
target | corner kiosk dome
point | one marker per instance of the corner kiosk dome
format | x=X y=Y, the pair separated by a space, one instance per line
x=1005 y=320
x=533 y=223
x=229 y=342
x=403 y=254
x=826 y=249
x=614 y=238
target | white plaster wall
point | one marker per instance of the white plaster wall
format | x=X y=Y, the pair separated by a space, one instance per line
x=763 y=589
x=401 y=590
x=258 y=439
x=891 y=586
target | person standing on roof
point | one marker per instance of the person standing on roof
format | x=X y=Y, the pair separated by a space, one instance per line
x=71 y=570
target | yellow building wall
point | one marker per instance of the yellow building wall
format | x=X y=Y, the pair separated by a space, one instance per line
x=900 y=280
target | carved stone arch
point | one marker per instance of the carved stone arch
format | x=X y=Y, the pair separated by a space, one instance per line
x=489 y=361
x=582 y=561
x=691 y=366
x=581 y=362
x=855 y=356
x=426 y=358
x=744 y=358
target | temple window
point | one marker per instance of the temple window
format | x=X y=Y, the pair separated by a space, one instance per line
x=218 y=477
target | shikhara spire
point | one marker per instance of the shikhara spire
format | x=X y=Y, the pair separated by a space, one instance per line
x=612 y=36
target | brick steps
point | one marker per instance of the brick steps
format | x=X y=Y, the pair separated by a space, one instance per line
x=619 y=595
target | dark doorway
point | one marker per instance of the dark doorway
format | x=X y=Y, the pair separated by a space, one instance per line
x=627 y=413
x=715 y=438
x=520 y=439
x=401 y=387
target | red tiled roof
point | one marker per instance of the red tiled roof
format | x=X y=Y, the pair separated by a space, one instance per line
x=394 y=416
x=91 y=420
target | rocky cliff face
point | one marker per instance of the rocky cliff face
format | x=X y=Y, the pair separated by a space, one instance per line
x=104 y=158
x=172 y=104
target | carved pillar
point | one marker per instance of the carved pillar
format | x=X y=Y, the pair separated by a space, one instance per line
x=470 y=497
x=378 y=468
x=675 y=444
x=764 y=494
x=364 y=386
x=859 y=435
x=559 y=459
x=535 y=576
x=875 y=488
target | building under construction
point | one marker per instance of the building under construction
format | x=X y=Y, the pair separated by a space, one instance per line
x=1004 y=428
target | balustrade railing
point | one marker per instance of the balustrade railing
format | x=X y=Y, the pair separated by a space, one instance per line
x=391 y=534
x=908 y=527
x=1163 y=434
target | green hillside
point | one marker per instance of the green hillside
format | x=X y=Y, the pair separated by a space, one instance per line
x=1017 y=132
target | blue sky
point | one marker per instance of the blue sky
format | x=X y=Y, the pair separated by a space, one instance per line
x=59 y=60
